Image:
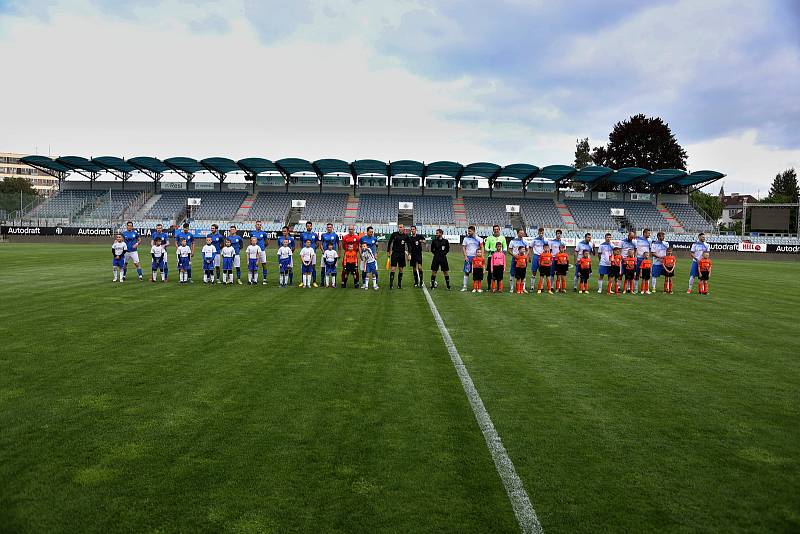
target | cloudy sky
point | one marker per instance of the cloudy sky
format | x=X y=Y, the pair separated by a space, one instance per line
x=512 y=81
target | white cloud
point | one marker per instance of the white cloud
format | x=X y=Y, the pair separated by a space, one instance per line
x=749 y=166
x=112 y=86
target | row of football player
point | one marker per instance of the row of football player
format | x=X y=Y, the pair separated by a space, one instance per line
x=635 y=274
x=401 y=245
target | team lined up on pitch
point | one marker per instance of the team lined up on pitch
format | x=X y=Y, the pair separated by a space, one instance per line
x=631 y=266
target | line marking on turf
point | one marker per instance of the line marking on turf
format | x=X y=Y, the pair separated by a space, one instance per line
x=520 y=502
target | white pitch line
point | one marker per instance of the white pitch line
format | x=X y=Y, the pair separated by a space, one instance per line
x=520 y=502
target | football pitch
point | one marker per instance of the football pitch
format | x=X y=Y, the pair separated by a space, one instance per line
x=166 y=408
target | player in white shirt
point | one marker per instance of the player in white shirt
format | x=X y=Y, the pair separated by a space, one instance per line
x=697 y=250
x=642 y=244
x=471 y=244
x=308 y=260
x=184 y=261
x=228 y=254
x=606 y=250
x=329 y=258
x=285 y=263
x=118 y=249
x=209 y=254
x=159 y=254
x=659 y=249
x=370 y=266
x=253 y=253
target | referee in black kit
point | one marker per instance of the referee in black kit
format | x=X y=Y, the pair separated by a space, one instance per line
x=397 y=248
x=415 y=242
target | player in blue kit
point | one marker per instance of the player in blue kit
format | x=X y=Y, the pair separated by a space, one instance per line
x=697 y=250
x=471 y=245
x=184 y=261
x=237 y=243
x=118 y=249
x=209 y=253
x=132 y=241
x=286 y=238
x=217 y=241
x=159 y=254
x=555 y=247
x=228 y=254
x=582 y=246
x=370 y=262
x=606 y=250
x=372 y=244
x=327 y=238
x=310 y=235
x=263 y=243
x=659 y=249
x=285 y=263
x=180 y=236
x=159 y=233
x=536 y=248
x=642 y=244
x=253 y=254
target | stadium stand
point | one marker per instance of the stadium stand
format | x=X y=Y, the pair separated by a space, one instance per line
x=596 y=214
x=538 y=212
x=487 y=211
x=215 y=205
x=320 y=207
x=112 y=206
x=689 y=217
x=431 y=209
x=270 y=208
x=324 y=207
x=377 y=209
x=66 y=204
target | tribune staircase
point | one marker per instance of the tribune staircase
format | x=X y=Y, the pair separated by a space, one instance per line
x=139 y=215
x=566 y=215
x=244 y=208
x=351 y=211
x=672 y=220
x=459 y=212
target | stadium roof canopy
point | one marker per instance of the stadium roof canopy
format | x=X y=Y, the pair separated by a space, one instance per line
x=332 y=166
x=221 y=166
x=114 y=164
x=255 y=166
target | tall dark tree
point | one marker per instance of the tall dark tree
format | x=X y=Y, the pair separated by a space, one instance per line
x=784 y=187
x=583 y=155
x=641 y=141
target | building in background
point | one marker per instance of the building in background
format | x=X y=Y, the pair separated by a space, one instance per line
x=732 y=207
x=11 y=167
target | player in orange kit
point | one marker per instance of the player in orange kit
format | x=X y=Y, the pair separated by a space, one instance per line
x=584 y=269
x=562 y=266
x=704 y=266
x=616 y=270
x=645 y=272
x=669 y=262
x=545 y=264
x=629 y=266
x=520 y=269
x=478 y=266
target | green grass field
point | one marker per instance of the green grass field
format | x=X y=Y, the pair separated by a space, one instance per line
x=166 y=408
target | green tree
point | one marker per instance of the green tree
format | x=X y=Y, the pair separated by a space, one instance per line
x=17 y=185
x=583 y=155
x=784 y=187
x=641 y=141
x=710 y=204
